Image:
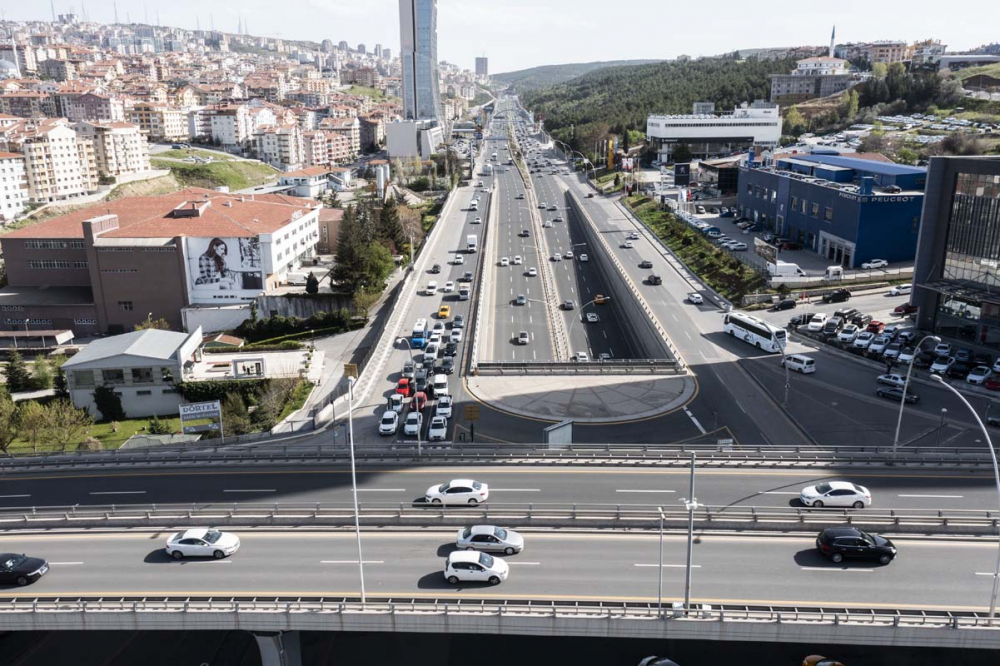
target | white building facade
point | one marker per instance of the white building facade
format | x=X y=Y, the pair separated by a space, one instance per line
x=712 y=135
x=13 y=186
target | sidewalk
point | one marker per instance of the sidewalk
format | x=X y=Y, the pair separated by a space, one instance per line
x=584 y=398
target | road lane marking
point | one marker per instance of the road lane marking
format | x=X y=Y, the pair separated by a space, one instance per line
x=935 y=496
x=516 y=490
x=381 y=490
x=777 y=492
x=672 y=566
x=645 y=491
x=251 y=490
x=527 y=564
x=837 y=569
x=118 y=492
x=351 y=562
x=985 y=573
x=694 y=420
x=12 y=496
x=64 y=564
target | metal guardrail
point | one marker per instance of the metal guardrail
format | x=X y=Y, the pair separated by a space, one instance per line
x=595 y=367
x=515 y=609
x=419 y=513
x=666 y=455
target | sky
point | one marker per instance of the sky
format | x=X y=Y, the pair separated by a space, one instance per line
x=517 y=34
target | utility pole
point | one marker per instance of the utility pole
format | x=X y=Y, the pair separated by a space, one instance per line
x=692 y=504
x=52 y=3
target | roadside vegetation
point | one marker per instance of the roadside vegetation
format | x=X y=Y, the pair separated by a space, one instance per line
x=232 y=174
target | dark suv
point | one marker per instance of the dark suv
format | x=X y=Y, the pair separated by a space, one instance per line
x=861 y=320
x=838 y=296
x=838 y=543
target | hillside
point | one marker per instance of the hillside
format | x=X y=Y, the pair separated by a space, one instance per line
x=622 y=97
x=550 y=75
x=235 y=175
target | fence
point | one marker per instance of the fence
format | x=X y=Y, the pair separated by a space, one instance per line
x=596 y=367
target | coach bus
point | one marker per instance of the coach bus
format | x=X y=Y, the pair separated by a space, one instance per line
x=754 y=331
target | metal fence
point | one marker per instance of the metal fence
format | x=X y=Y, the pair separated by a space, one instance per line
x=594 y=367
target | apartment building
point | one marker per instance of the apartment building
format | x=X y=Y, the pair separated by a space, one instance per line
x=231 y=125
x=321 y=147
x=347 y=127
x=58 y=164
x=279 y=145
x=97 y=107
x=927 y=53
x=13 y=186
x=813 y=77
x=160 y=122
x=119 y=148
x=27 y=104
x=887 y=52
x=372 y=130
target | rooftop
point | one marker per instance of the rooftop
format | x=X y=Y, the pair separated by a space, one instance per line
x=870 y=166
x=150 y=343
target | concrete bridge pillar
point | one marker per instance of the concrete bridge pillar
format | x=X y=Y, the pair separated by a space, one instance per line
x=279 y=648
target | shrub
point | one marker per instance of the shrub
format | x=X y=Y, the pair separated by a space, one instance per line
x=109 y=404
x=248 y=389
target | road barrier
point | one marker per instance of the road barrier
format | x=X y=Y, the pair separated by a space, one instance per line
x=595 y=367
x=484 y=282
x=419 y=514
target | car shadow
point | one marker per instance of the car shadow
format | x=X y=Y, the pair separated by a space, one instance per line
x=436 y=581
x=446 y=549
x=159 y=556
x=812 y=558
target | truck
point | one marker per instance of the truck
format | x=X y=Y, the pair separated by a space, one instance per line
x=785 y=269
x=472 y=243
x=487 y=169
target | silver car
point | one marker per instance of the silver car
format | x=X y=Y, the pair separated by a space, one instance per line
x=490 y=537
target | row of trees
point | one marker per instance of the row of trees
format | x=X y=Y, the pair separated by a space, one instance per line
x=57 y=424
x=44 y=373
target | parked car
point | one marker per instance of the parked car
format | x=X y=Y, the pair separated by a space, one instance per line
x=874 y=264
x=879 y=344
x=848 y=334
x=901 y=290
x=801 y=319
x=838 y=543
x=905 y=309
x=875 y=326
x=979 y=375
x=783 y=304
x=818 y=321
x=942 y=364
x=892 y=351
x=861 y=320
x=863 y=340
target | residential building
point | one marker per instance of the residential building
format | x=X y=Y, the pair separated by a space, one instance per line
x=231 y=125
x=813 y=77
x=322 y=147
x=119 y=148
x=97 y=107
x=346 y=127
x=714 y=135
x=58 y=164
x=887 y=52
x=418 y=59
x=13 y=186
x=846 y=209
x=160 y=122
x=372 y=131
x=143 y=368
x=329 y=229
x=279 y=145
x=956 y=277
x=309 y=183
x=106 y=268
x=927 y=53
x=27 y=104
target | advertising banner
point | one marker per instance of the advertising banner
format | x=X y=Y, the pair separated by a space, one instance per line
x=201 y=417
x=224 y=268
x=682 y=174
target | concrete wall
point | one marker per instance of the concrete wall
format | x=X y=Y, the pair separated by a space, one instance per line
x=647 y=341
x=303 y=307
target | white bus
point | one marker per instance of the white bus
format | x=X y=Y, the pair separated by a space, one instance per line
x=755 y=331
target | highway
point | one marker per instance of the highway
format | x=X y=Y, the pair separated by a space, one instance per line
x=907 y=489
x=775 y=571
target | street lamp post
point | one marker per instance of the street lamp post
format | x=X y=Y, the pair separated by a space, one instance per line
x=788 y=379
x=408 y=347
x=996 y=477
x=659 y=578
x=691 y=503
x=944 y=412
x=906 y=385
x=354 y=484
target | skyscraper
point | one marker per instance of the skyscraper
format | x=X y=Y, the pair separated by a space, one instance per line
x=418 y=57
x=482 y=68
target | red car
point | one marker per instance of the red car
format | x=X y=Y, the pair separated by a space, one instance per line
x=905 y=309
x=404 y=388
x=419 y=401
x=993 y=383
x=875 y=327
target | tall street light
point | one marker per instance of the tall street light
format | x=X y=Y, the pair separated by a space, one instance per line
x=354 y=484
x=659 y=578
x=906 y=385
x=996 y=477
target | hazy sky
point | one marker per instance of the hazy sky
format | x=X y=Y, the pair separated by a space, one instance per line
x=524 y=33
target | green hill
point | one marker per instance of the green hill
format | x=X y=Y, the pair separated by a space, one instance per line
x=550 y=75
x=236 y=175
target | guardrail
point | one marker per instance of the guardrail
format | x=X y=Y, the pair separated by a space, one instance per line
x=484 y=286
x=618 y=454
x=421 y=514
x=595 y=367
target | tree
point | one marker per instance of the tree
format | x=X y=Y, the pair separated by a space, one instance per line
x=109 y=404
x=795 y=123
x=160 y=324
x=390 y=229
x=31 y=419
x=157 y=427
x=65 y=425
x=376 y=266
x=9 y=422
x=59 y=382
x=43 y=373
x=235 y=417
x=312 y=284
x=682 y=153
x=18 y=376
x=853 y=104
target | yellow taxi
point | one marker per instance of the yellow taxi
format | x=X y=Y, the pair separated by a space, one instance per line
x=444 y=312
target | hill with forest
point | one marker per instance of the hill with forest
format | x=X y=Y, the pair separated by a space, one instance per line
x=620 y=98
x=550 y=75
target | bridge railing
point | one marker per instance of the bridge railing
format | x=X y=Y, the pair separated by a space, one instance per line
x=595 y=367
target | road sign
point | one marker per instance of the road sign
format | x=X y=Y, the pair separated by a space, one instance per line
x=726 y=443
x=470 y=413
x=201 y=417
x=351 y=370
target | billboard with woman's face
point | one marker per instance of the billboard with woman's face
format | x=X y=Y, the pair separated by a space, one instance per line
x=221 y=269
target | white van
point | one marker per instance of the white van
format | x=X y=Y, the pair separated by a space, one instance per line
x=800 y=363
x=432 y=288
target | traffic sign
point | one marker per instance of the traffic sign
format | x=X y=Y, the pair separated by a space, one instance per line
x=470 y=413
x=351 y=370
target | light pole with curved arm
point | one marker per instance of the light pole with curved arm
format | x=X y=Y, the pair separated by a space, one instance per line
x=906 y=385
x=569 y=333
x=996 y=477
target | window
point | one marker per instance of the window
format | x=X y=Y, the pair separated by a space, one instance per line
x=83 y=377
x=85 y=322
x=144 y=393
x=803 y=208
x=828 y=214
x=795 y=203
x=168 y=391
x=815 y=210
x=167 y=374
x=126 y=306
x=44 y=245
x=113 y=376
x=142 y=375
x=80 y=264
x=47 y=263
x=76 y=245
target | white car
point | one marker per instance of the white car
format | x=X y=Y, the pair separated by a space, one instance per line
x=504 y=261
x=584 y=258
x=414 y=422
x=459 y=260
x=396 y=402
x=942 y=364
x=695 y=299
x=818 y=321
x=593 y=318
x=879 y=344
x=478 y=220
x=627 y=245
x=568 y=255
x=738 y=247
x=836 y=493
x=906 y=355
x=848 y=334
x=489 y=537
x=389 y=423
x=532 y=272
x=449 y=287
x=892 y=351
x=202 y=543
x=892 y=380
x=443 y=407
x=438 y=430
x=517 y=260
x=473 y=567
x=943 y=349
x=864 y=339
x=556 y=257
x=456 y=335
x=979 y=374
x=458 y=491
x=873 y=264
x=547 y=224
x=901 y=290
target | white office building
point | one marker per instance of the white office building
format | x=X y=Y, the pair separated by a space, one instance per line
x=716 y=135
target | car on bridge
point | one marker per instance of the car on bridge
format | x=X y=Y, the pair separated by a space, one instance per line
x=489 y=538
x=840 y=543
x=504 y=261
x=520 y=300
x=557 y=257
x=569 y=305
x=627 y=245
x=568 y=254
x=458 y=491
x=896 y=393
x=21 y=569
x=836 y=494
x=404 y=387
x=473 y=567
x=389 y=423
x=444 y=312
x=414 y=422
x=444 y=406
x=523 y=338
x=532 y=272
x=202 y=542
x=601 y=299
x=654 y=280
x=592 y=318
x=438 y=430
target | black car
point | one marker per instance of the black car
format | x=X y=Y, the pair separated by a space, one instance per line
x=861 y=320
x=847 y=313
x=838 y=543
x=960 y=369
x=422 y=385
x=645 y=264
x=896 y=393
x=21 y=569
x=654 y=280
x=924 y=359
x=450 y=349
x=980 y=358
x=783 y=304
x=837 y=296
x=801 y=319
x=445 y=366
x=436 y=268
x=467 y=277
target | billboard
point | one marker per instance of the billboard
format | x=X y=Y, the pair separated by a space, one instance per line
x=682 y=174
x=768 y=252
x=224 y=268
x=201 y=417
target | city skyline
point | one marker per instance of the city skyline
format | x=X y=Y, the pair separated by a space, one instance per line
x=523 y=35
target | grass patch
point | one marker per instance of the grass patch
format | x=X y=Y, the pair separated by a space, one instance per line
x=365 y=91
x=299 y=396
x=725 y=274
x=144 y=188
x=104 y=432
x=183 y=153
x=985 y=70
x=234 y=175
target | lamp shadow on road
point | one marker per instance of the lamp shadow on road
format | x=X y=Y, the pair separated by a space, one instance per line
x=436 y=581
